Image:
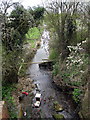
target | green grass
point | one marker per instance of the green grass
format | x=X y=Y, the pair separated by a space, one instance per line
x=33 y=35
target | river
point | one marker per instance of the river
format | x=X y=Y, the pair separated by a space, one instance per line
x=49 y=91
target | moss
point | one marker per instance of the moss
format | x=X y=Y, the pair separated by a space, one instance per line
x=58 y=116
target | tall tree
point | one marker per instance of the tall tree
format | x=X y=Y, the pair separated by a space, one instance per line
x=37 y=13
x=14 y=30
x=63 y=20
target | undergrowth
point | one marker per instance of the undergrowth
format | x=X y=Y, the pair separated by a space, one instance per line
x=7 y=96
x=73 y=70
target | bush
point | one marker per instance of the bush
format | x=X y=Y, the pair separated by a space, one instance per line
x=53 y=54
x=55 y=69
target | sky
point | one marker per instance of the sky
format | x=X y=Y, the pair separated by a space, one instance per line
x=26 y=3
x=30 y=3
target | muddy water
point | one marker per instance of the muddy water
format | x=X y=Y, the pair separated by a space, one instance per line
x=49 y=91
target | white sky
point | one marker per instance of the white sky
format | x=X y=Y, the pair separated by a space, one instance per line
x=30 y=3
x=27 y=3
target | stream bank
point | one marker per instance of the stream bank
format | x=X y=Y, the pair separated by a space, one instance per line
x=25 y=83
x=12 y=92
x=71 y=75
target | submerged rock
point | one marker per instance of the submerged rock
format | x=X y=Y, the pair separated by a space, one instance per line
x=38 y=44
x=58 y=107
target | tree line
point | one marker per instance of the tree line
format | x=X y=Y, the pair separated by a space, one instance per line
x=14 y=27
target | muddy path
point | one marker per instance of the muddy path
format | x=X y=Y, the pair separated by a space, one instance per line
x=50 y=93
